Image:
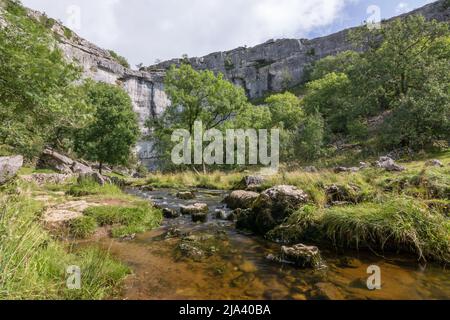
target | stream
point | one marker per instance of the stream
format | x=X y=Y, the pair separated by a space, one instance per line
x=237 y=268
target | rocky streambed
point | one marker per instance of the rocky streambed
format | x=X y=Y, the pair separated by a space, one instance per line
x=208 y=258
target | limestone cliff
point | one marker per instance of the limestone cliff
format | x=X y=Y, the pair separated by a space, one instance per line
x=279 y=63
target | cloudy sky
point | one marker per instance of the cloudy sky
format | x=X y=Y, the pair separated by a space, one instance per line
x=147 y=30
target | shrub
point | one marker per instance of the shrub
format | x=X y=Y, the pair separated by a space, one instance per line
x=119 y=59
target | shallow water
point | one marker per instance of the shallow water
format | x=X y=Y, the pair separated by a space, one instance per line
x=240 y=270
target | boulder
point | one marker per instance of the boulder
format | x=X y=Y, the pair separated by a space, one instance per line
x=50 y=159
x=188 y=195
x=346 y=170
x=341 y=194
x=434 y=163
x=170 y=213
x=94 y=176
x=245 y=219
x=78 y=168
x=53 y=160
x=250 y=183
x=195 y=208
x=388 y=164
x=274 y=205
x=9 y=166
x=299 y=255
x=200 y=216
x=241 y=199
x=310 y=169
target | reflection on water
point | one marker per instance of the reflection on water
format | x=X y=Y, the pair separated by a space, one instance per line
x=239 y=270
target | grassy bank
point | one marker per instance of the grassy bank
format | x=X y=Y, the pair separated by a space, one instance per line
x=34 y=257
x=372 y=210
x=33 y=265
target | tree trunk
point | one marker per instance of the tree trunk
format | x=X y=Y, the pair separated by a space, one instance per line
x=100 y=167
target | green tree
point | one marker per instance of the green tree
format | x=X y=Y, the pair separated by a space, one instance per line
x=195 y=96
x=37 y=91
x=110 y=137
x=286 y=110
x=310 y=140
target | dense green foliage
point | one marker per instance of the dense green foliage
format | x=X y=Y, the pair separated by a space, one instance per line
x=38 y=98
x=110 y=137
x=403 y=74
x=195 y=96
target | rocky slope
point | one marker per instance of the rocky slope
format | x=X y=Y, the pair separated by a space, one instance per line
x=276 y=64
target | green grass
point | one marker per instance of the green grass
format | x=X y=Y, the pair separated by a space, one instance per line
x=126 y=220
x=33 y=265
x=394 y=224
x=82 y=227
x=89 y=187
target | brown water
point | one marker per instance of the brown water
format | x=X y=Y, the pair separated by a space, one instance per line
x=240 y=270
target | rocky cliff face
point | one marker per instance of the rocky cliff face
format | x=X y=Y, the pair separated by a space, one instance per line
x=146 y=89
x=278 y=64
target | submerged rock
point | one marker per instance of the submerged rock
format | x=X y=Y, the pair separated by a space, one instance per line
x=195 y=208
x=240 y=199
x=299 y=255
x=170 y=213
x=9 y=166
x=188 y=195
x=328 y=291
x=200 y=216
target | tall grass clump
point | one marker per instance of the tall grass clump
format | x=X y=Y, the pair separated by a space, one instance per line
x=128 y=220
x=33 y=265
x=89 y=187
x=401 y=224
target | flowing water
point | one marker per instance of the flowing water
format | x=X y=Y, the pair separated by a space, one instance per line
x=238 y=269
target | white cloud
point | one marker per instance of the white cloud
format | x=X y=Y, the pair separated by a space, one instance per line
x=143 y=30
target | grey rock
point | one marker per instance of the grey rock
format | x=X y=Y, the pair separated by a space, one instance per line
x=240 y=199
x=389 y=164
x=195 y=208
x=250 y=183
x=310 y=169
x=9 y=166
x=434 y=163
x=271 y=208
x=299 y=255
x=346 y=170
x=44 y=178
x=94 y=176
x=188 y=195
